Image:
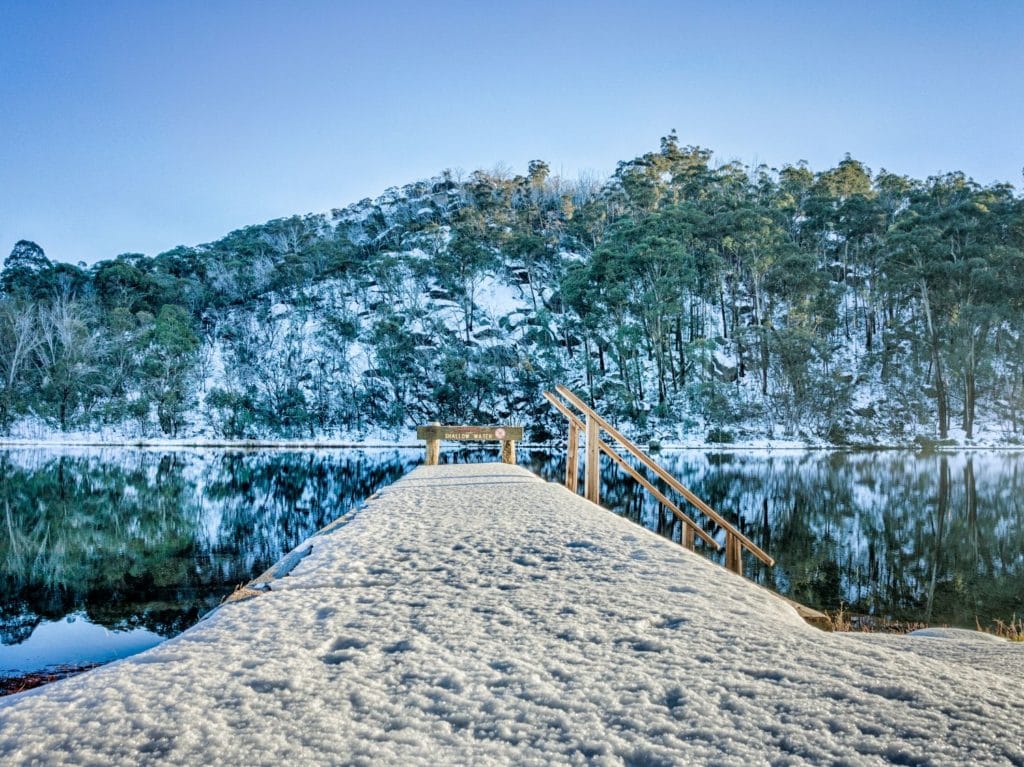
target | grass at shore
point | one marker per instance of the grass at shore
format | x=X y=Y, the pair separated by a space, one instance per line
x=1014 y=630
x=9 y=685
x=844 y=620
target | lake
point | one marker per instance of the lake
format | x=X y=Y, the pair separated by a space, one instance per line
x=106 y=552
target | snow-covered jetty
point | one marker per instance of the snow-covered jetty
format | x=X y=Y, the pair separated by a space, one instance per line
x=478 y=615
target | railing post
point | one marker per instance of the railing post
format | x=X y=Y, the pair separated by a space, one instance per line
x=733 y=554
x=508 y=451
x=572 y=459
x=687 y=537
x=591 y=463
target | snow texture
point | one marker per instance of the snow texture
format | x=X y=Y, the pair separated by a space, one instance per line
x=478 y=615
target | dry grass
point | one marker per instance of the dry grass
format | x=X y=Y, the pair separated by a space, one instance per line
x=12 y=684
x=1012 y=630
x=844 y=620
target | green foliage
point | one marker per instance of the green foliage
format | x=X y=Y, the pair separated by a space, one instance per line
x=168 y=347
x=679 y=295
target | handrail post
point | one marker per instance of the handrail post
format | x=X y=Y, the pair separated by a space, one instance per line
x=733 y=554
x=672 y=482
x=572 y=459
x=735 y=540
x=591 y=463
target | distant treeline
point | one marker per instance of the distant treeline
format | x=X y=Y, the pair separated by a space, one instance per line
x=683 y=296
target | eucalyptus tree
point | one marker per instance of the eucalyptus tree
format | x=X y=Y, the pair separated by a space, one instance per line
x=70 y=356
x=167 y=347
x=462 y=263
x=25 y=271
x=19 y=339
x=954 y=246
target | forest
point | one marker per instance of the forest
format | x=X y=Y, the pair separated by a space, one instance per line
x=690 y=299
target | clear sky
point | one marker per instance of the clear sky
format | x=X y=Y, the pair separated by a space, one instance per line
x=134 y=127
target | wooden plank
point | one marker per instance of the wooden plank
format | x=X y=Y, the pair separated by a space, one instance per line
x=576 y=426
x=470 y=433
x=674 y=483
x=572 y=458
x=561 y=408
x=686 y=539
x=734 y=554
x=592 y=464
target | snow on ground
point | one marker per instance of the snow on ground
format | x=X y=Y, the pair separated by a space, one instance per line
x=475 y=614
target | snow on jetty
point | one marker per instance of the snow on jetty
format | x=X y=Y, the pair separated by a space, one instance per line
x=478 y=615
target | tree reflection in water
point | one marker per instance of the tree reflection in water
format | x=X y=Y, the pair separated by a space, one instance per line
x=905 y=536
x=139 y=539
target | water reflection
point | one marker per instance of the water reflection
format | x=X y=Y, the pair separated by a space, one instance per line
x=128 y=540
x=73 y=642
x=907 y=536
x=143 y=543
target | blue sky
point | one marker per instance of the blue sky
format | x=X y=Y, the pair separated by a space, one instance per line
x=134 y=127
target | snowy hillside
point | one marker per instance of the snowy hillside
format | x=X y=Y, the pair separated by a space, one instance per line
x=695 y=303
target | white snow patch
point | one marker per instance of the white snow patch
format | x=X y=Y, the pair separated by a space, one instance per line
x=477 y=615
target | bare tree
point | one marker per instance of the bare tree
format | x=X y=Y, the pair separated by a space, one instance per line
x=68 y=353
x=19 y=337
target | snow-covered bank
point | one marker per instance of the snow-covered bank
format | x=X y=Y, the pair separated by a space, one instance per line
x=475 y=614
x=238 y=444
x=87 y=441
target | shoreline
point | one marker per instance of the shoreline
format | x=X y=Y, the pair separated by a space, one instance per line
x=30 y=680
x=340 y=444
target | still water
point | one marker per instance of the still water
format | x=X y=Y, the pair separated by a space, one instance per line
x=105 y=552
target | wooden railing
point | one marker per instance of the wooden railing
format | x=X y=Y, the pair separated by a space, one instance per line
x=591 y=424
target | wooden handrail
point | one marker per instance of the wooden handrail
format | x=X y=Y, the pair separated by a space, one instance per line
x=605 y=448
x=734 y=538
x=659 y=496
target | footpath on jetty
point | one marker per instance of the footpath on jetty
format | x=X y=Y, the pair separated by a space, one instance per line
x=476 y=614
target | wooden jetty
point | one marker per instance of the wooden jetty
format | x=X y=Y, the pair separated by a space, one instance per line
x=584 y=420
x=475 y=614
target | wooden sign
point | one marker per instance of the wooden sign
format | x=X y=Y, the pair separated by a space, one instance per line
x=433 y=434
x=471 y=433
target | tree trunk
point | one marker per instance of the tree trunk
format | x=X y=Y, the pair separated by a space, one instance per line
x=941 y=394
x=759 y=320
x=969 y=395
x=970 y=378
x=721 y=304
